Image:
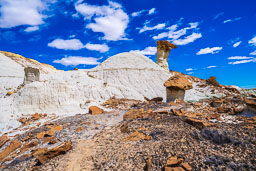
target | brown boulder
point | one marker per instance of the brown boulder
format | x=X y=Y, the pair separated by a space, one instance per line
x=212 y=80
x=135 y=136
x=173 y=161
x=36 y=116
x=49 y=140
x=178 y=82
x=40 y=135
x=94 y=110
x=15 y=144
x=47 y=154
x=199 y=124
x=138 y=113
x=28 y=145
x=3 y=140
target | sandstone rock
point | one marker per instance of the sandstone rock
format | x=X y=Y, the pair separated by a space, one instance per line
x=173 y=161
x=138 y=113
x=28 y=145
x=212 y=80
x=94 y=110
x=3 y=139
x=176 y=86
x=79 y=129
x=10 y=93
x=214 y=116
x=199 y=124
x=186 y=166
x=53 y=129
x=36 y=116
x=50 y=140
x=163 y=49
x=15 y=144
x=173 y=169
x=45 y=155
x=135 y=136
x=40 y=135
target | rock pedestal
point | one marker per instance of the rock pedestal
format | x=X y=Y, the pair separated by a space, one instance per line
x=163 y=50
x=31 y=75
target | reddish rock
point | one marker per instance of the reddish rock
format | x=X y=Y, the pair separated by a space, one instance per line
x=53 y=129
x=10 y=93
x=94 y=110
x=173 y=161
x=28 y=145
x=199 y=124
x=50 y=140
x=36 y=116
x=46 y=154
x=3 y=140
x=186 y=166
x=135 y=136
x=212 y=80
x=138 y=113
x=15 y=144
x=79 y=129
x=40 y=135
x=148 y=165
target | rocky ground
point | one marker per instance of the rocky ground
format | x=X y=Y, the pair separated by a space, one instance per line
x=135 y=135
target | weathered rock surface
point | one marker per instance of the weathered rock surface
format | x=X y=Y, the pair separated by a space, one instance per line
x=212 y=80
x=94 y=110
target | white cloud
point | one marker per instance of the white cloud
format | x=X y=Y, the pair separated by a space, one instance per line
x=211 y=66
x=21 y=12
x=190 y=73
x=189 y=69
x=243 y=61
x=218 y=15
x=175 y=35
x=110 y=19
x=31 y=29
x=147 y=51
x=138 y=13
x=156 y=27
x=77 y=60
x=207 y=50
x=72 y=44
x=232 y=20
x=253 y=53
x=252 y=41
x=239 y=57
x=97 y=47
x=237 y=44
x=151 y=11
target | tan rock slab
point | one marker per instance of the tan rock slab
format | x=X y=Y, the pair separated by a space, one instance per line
x=15 y=144
x=94 y=110
x=3 y=140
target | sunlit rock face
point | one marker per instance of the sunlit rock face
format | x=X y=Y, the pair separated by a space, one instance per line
x=163 y=50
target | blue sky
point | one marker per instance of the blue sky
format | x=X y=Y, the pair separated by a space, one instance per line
x=214 y=37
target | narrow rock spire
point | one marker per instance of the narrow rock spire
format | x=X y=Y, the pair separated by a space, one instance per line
x=163 y=49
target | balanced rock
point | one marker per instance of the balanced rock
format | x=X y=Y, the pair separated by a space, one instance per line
x=176 y=86
x=163 y=50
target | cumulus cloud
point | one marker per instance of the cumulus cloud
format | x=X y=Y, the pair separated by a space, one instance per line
x=176 y=35
x=252 y=41
x=156 y=27
x=77 y=60
x=239 y=57
x=21 y=12
x=208 y=50
x=71 y=44
x=237 y=44
x=97 y=47
x=253 y=53
x=76 y=44
x=232 y=20
x=190 y=73
x=109 y=19
x=211 y=66
x=147 y=51
x=31 y=29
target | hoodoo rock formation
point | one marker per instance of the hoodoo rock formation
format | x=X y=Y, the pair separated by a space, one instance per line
x=176 y=86
x=163 y=50
x=31 y=75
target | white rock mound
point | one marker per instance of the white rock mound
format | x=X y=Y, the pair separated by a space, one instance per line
x=126 y=75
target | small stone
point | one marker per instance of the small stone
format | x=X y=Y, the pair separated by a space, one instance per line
x=135 y=136
x=186 y=166
x=40 y=135
x=173 y=161
x=79 y=129
x=94 y=110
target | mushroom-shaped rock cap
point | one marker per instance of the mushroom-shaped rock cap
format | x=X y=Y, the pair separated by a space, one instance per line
x=178 y=82
x=166 y=45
